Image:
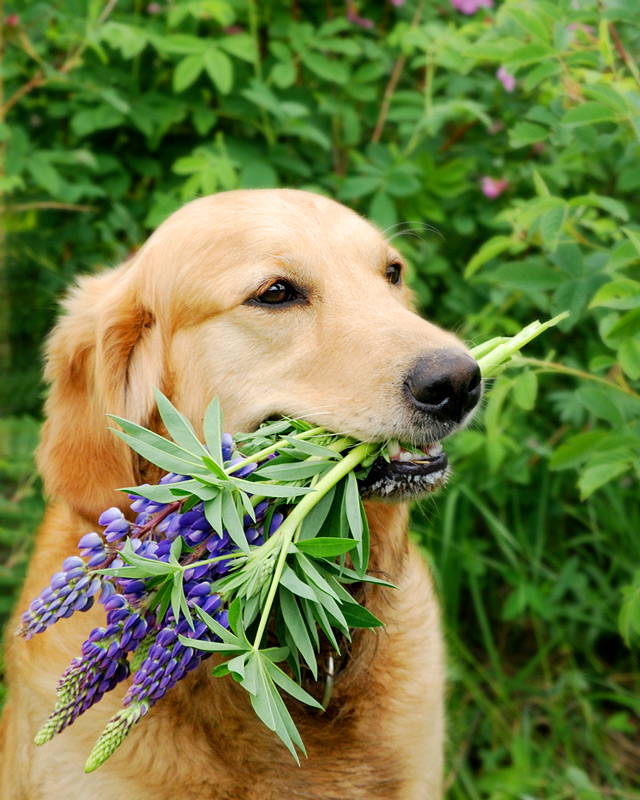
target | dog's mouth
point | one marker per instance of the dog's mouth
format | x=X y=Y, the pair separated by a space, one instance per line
x=407 y=474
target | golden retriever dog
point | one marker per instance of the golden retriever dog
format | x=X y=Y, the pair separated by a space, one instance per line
x=278 y=302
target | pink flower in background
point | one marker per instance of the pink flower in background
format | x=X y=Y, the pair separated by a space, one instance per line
x=469 y=7
x=153 y=8
x=508 y=81
x=12 y=21
x=493 y=187
x=578 y=26
x=353 y=16
x=397 y=2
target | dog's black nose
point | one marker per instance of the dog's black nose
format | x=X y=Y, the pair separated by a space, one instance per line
x=446 y=384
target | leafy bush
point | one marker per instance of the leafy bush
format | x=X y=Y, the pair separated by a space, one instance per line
x=499 y=148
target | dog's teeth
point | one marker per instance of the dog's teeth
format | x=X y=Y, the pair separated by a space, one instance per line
x=433 y=449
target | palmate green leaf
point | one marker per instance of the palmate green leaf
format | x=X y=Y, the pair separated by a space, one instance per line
x=321 y=618
x=215 y=469
x=178 y=426
x=358 y=616
x=227 y=636
x=297 y=628
x=268 y=705
x=156 y=449
x=290 y=687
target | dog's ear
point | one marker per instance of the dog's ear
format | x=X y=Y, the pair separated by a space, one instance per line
x=103 y=357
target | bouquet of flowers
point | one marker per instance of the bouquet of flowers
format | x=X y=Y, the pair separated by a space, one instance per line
x=247 y=548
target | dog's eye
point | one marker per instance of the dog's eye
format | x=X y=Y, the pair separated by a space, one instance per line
x=394 y=273
x=277 y=294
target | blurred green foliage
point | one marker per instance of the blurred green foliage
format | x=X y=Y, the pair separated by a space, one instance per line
x=500 y=152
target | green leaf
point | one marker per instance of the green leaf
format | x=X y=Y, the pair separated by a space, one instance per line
x=575 y=450
x=526 y=133
x=623 y=293
x=329 y=70
x=293 y=472
x=528 y=54
x=588 y=114
x=187 y=72
x=629 y=358
x=214 y=626
x=490 y=249
x=289 y=686
x=178 y=426
x=296 y=626
x=314 y=521
x=292 y=582
x=525 y=389
x=595 y=477
x=551 y=224
x=614 y=207
x=220 y=69
x=358 y=616
x=269 y=489
x=232 y=520
x=153 y=447
x=325 y=546
x=213 y=431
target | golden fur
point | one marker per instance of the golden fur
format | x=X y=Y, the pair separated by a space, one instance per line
x=174 y=317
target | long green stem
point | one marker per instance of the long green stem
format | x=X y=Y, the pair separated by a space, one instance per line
x=289 y=526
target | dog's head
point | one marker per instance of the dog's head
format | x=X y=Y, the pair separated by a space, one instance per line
x=278 y=302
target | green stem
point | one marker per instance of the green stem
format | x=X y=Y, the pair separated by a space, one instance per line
x=288 y=528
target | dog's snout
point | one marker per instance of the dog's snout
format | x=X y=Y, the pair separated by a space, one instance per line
x=446 y=384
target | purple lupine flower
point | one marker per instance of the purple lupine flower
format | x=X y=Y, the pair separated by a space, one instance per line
x=100 y=667
x=227 y=446
x=72 y=589
x=470 y=7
